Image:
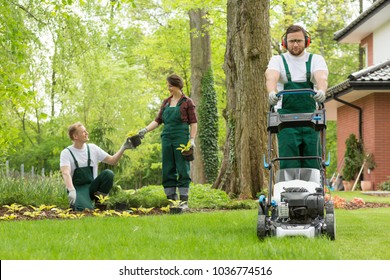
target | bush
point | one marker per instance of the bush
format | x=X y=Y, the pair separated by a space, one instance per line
x=34 y=191
x=353 y=158
x=51 y=191
x=385 y=186
x=203 y=196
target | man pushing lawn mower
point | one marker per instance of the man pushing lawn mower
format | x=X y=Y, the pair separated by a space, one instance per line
x=296 y=82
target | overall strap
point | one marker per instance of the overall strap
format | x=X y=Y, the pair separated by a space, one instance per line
x=89 y=156
x=75 y=161
x=288 y=74
x=308 y=68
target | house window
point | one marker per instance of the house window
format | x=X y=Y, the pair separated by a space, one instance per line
x=363 y=58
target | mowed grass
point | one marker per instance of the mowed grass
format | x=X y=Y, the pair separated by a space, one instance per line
x=220 y=235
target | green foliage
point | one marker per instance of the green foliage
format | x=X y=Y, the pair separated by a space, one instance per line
x=141 y=167
x=385 y=186
x=353 y=158
x=208 y=127
x=204 y=196
x=34 y=191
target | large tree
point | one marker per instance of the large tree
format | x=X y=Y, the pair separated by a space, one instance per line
x=206 y=158
x=246 y=59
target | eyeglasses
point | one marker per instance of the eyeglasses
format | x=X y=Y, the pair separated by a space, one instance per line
x=298 y=41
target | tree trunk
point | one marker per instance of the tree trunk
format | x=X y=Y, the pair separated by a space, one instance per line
x=200 y=63
x=246 y=59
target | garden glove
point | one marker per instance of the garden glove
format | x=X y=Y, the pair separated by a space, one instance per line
x=72 y=197
x=127 y=145
x=142 y=132
x=272 y=98
x=319 y=96
x=192 y=143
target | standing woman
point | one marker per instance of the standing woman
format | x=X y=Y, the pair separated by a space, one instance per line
x=178 y=114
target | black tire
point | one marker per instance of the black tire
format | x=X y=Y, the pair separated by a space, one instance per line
x=330 y=221
x=261 y=227
x=329 y=207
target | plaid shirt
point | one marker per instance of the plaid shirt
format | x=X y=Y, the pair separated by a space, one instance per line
x=187 y=110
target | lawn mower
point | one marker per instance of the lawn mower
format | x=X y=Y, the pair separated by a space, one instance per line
x=295 y=204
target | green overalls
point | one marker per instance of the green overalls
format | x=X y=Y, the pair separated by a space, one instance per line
x=300 y=141
x=175 y=169
x=86 y=186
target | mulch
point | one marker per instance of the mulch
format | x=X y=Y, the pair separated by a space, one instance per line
x=352 y=206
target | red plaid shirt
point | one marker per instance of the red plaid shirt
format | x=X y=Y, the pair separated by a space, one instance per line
x=187 y=110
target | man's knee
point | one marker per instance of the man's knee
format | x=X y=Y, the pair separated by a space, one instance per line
x=108 y=173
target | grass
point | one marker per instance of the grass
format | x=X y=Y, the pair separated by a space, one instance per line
x=219 y=235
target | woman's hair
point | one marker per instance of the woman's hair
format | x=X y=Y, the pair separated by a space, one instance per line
x=175 y=81
x=72 y=129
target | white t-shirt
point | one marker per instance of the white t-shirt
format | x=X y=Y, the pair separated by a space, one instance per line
x=297 y=66
x=96 y=155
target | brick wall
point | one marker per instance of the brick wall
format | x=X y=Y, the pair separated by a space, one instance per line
x=376 y=132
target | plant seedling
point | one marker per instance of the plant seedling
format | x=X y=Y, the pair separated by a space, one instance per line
x=185 y=148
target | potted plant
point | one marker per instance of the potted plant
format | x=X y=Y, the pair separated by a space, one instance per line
x=370 y=164
x=187 y=151
x=175 y=206
x=134 y=138
x=101 y=201
x=353 y=160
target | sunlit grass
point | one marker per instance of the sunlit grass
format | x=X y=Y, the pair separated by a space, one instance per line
x=361 y=234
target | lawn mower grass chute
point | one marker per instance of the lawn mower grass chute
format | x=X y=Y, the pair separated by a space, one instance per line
x=295 y=204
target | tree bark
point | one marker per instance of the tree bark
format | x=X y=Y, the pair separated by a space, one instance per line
x=246 y=59
x=200 y=63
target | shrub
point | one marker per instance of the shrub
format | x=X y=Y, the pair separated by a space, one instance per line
x=34 y=191
x=385 y=186
x=353 y=158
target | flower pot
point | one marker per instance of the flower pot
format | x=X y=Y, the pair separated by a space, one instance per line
x=135 y=140
x=366 y=185
x=121 y=206
x=101 y=207
x=175 y=210
x=188 y=155
x=347 y=185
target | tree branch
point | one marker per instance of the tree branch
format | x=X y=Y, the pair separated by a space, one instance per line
x=27 y=12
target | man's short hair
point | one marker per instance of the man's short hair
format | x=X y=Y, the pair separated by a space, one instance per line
x=72 y=129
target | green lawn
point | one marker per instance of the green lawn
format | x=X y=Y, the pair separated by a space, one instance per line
x=220 y=235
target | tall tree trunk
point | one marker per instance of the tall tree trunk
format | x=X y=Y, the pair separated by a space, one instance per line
x=200 y=63
x=246 y=59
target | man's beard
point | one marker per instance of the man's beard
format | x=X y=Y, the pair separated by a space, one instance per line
x=296 y=52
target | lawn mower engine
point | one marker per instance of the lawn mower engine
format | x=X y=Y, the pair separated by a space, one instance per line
x=299 y=206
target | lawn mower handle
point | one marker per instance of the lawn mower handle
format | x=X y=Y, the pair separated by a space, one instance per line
x=296 y=91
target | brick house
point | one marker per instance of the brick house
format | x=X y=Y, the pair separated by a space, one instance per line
x=361 y=104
